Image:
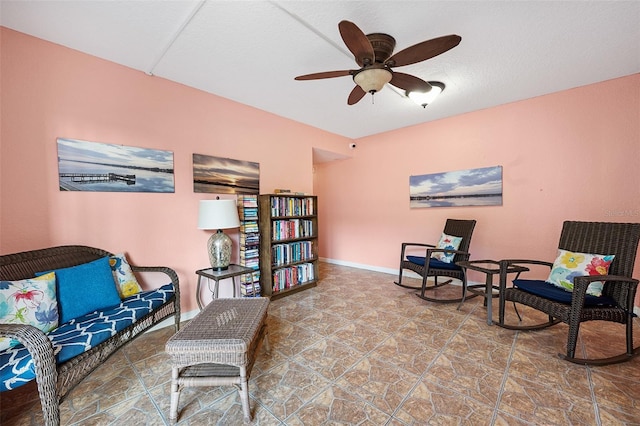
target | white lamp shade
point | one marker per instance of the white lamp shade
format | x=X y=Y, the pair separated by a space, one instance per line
x=372 y=79
x=425 y=98
x=218 y=214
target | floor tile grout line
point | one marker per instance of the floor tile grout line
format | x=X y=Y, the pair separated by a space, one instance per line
x=421 y=377
x=594 y=398
x=366 y=355
x=505 y=377
x=146 y=389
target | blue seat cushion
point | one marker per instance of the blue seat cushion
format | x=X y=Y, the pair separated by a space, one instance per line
x=433 y=263
x=549 y=291
x=81 y=334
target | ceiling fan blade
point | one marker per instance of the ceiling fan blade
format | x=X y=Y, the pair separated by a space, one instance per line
x=357 y=42
x=409 y=82
x=423 y=51
x=356 y=94
x=327 y=74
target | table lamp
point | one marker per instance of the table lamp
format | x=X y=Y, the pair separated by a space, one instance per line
x=218 y=214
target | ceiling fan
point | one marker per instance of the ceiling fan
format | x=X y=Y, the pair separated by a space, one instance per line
x=373 y=53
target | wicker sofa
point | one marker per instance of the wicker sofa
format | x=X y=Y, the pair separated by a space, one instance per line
x=41 y=354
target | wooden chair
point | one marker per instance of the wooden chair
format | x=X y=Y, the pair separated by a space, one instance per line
x=436 y=268
x=618 y=293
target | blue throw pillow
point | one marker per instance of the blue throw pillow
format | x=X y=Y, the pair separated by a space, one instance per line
x=85 y=288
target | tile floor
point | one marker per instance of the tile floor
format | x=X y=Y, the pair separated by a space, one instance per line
x=359 y=350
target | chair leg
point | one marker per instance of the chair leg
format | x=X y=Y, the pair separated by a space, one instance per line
x=399 y=282
x=572 y=340
x=626 y=356
x=424 y=284
x=629 y=335
x=464 y=292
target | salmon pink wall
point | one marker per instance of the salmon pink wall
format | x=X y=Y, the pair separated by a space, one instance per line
x=573 y=155
x=49 y=91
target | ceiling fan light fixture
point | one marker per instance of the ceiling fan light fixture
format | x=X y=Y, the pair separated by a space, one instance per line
x=372 y=80
x=425 y=98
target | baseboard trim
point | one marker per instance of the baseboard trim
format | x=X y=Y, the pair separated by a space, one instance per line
x=170 y=322
x=389 y=271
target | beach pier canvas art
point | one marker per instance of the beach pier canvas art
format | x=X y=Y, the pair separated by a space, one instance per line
x=225 y=175
x=472 y=187
x=103 y=167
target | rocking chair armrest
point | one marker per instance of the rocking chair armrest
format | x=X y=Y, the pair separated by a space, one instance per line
x=417 y=245
x=581 y=283
x=464 y=254
x=405 y=245
x=506 y=263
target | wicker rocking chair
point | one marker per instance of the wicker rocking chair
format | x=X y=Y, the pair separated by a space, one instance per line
x=618 y=292
x=436 y=268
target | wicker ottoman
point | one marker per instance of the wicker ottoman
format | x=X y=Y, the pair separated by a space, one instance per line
x=218 y=347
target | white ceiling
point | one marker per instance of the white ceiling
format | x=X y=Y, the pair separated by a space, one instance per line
x=250 y=51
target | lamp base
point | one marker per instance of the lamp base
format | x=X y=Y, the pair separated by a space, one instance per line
x=220 y=269
x=219 y=246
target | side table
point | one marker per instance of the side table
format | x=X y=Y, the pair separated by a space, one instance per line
x=489 y=268
x=232 y=272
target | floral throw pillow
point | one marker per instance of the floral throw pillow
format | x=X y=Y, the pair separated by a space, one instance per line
x=31 y=301
x=126 y=282
x=569 y=265
x=447 y=242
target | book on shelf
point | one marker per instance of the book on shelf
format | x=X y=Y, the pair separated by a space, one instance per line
x=295 y=275
x=250 y=278
x=292 y=206
x=251 y=289
x=249 y=242
x=293 y=228
x=282 y=254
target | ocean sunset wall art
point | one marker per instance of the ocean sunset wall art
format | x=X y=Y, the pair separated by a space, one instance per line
x=471 y=187
x=225 y=175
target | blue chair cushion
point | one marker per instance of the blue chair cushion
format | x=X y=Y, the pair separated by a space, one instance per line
x=81 y=334
x=549 y=291
x=433 y=263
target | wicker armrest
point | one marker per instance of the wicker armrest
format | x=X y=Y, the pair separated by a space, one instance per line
x=406 y=245
x=44 y=361
x=459 y=254
x=32 y=338
x=584 y=281
x=509 y=262
x=444 y=250
x=174 y=280
x=506 y=263
x=624 y=291
x=163 y=269
x=417 y=245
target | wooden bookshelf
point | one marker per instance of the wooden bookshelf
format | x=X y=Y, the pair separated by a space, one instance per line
x=249 y=244
x=288 y=243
